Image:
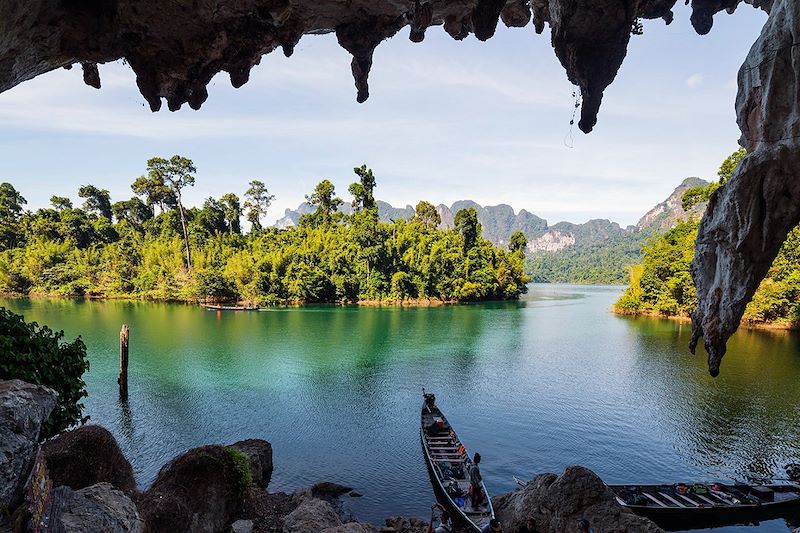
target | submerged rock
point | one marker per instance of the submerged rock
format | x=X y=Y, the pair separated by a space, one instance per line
x=23 y=410
x=200 y=491
x=86 y=456
x=556 y=502
x=100 y=507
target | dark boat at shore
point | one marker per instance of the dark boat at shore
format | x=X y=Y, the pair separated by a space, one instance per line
x=212 y=307
x=448 y=464
x=684 y=506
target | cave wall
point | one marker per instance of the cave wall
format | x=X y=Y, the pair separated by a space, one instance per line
x=747 y=220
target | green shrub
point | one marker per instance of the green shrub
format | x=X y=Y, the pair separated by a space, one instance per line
x=36 y=354
x=241 y=465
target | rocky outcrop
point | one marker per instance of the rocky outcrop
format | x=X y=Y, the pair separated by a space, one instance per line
x=747 y=220
x=556 y=502
x=666 y=214
x=86 y=456
x=260 y=454
x=100 y=507
x=175 y=48
x=23 y=410
x=551 y=241
x=200 y=491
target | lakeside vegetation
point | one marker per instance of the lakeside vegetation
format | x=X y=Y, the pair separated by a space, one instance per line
x=153 y=246
x=662 y=285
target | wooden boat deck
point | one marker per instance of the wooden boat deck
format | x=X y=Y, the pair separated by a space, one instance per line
x=449 y=463
x=683 y=506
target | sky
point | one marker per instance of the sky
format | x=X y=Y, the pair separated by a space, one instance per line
x=445 y=121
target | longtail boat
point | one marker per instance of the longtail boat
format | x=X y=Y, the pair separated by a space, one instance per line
x=449 y=464
x=690 y=506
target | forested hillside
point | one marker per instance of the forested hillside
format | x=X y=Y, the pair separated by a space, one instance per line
x=154 y=246
x=662 y=284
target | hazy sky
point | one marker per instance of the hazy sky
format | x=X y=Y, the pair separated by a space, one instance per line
x=446 y=120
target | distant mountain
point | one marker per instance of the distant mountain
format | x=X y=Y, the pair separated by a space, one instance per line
x=597 y=251
x=497 y=221
x=665 y=215
x=600 y=251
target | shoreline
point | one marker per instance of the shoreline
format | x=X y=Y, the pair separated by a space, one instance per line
x=410 y=302
x=683 y=318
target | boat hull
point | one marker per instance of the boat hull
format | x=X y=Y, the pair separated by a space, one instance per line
x=719 y=515
x=471 y=521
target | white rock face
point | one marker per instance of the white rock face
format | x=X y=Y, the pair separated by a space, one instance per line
x=551 y=241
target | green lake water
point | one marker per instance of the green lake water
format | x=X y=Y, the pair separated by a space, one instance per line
x=536 y=385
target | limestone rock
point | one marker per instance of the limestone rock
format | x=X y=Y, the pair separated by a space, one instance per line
x=556 y=502
x=198 y=491
x=176 y=47
x=402 y=524
x=86 y=456
x=260 y=454
x=311 y=515
x=99 y=507
x=747 y=220
x=23 y=410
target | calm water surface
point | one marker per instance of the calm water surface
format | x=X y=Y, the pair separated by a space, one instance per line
x=535 y=386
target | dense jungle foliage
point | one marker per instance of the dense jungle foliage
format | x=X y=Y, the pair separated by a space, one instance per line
x=661 y=284
x=39 y=355
x=153 y=246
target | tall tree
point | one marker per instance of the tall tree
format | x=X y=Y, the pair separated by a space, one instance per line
x=60 y=203
x=233 y=212
x=257 y=201
x=11 y=203
x=427 y=215
x=98 y=201
x=177 y=174
x=466 y=222
x=154 y=191
x=517 y=242
x=362 y=190
x=325 y=201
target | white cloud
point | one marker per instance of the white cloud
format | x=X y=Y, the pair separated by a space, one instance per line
x=445 y=122
x=694 y=81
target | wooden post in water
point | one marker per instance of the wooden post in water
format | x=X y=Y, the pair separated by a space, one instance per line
x=122 y=380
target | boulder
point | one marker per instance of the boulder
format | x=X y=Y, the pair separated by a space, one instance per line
x=260 y=454
x=242 y=526
x=311 y=515
x=86 y=456
x=100 y=507
x=556 y=502
x=23 y=410
x=200 y=491
x=402 y=524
